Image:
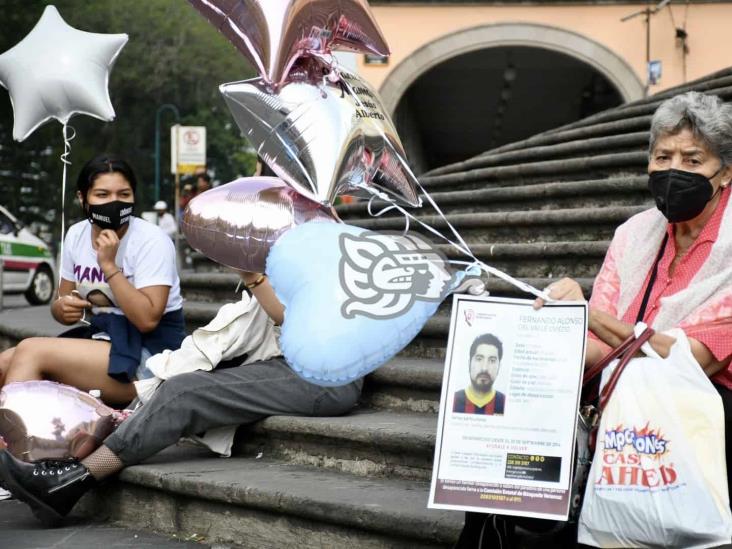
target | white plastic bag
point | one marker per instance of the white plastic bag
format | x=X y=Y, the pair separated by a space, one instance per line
x=658 y=477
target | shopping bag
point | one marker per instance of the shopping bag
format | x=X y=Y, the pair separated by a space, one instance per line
x=658 y=476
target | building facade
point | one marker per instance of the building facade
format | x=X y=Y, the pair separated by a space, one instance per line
x=465 y=76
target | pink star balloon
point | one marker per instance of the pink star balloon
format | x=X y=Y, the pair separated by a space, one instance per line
x=273 y=34
x=323 y=133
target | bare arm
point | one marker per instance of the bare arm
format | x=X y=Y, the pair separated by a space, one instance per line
x=265 y=296
x=613 y=332
x=144 y=307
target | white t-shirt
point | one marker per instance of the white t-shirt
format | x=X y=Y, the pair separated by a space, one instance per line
x=146 y=256
x=167 y=223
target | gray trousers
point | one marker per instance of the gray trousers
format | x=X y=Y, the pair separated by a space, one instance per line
x=190 y=404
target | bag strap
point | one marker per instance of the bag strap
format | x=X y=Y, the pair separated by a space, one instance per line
x=651 y=281
x=627 y=350
x=609 y=388
x=597 y=368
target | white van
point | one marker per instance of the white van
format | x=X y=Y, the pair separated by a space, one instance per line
x=29 y=267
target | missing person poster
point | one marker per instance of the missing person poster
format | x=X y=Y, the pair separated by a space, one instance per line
x=508 y=412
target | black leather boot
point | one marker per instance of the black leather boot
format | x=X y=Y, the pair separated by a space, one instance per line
x=50 y=487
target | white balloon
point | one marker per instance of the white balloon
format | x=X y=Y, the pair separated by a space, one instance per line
x=57 y=71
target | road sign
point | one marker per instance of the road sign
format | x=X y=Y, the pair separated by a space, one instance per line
x=654 y=72
x=188 y=149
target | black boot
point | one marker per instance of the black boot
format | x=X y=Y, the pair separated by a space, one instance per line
x=50 y=487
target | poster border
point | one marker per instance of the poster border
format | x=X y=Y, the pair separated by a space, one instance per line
x=463 y=298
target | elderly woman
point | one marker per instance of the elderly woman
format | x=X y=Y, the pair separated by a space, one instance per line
x=669 y=266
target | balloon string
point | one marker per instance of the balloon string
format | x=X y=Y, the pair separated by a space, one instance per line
x=383 y=211
x=69 y=133
x=442 y=215
x=461 y=247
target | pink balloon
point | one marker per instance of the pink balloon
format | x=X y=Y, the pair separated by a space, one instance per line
x=325 y=132
x=47 y=420
x=236 y=224
x=272 y=34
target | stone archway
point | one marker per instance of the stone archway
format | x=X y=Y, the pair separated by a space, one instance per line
x=607 y=63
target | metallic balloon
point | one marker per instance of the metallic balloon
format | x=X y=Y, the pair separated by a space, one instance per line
x=47 y=420
x=272 y=34
x=325 y=133
x=236 y=224
x=57 y=71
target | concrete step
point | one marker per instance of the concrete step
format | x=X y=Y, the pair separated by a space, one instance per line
x=529 y=226
x=263 y=504
x=595 y=193
x=201 y=263
x=721 y=86
x=626 y=142
x=598 y=130
x=613 y=121
x=210 y=286
x=366 y=442
x=405 y=385
x=199 y=313
x=531 y=260
x=601 y=166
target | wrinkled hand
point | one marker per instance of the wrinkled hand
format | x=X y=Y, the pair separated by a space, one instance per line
x=71 y=308
x=107 y=245
x=565 y=289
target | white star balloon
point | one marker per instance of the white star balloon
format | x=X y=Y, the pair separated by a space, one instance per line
x=57 y=71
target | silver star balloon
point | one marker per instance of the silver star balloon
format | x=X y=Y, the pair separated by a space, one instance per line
x=272 y=34
x=324 y=133
x=57 y=71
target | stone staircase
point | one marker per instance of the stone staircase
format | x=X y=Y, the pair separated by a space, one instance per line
x=539 y=209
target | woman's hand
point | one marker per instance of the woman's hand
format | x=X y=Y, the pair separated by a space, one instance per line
x=565 y=289
x=70 y=309
x=107 y=244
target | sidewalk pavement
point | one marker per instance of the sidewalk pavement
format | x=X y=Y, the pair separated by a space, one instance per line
x=20 y=530
x=19 y=320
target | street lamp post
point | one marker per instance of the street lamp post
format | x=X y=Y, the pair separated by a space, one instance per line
x=158 y=113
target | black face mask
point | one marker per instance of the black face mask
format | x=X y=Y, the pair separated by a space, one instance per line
x=111 y=215
x=681 y=195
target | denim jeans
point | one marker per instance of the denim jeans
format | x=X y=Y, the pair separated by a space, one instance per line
x=190 y=404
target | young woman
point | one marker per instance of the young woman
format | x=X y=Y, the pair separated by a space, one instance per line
x=119 y=278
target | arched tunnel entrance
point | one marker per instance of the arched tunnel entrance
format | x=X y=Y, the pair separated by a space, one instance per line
x=482 y=99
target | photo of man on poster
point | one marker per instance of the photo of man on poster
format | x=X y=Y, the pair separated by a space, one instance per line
x=480 y=397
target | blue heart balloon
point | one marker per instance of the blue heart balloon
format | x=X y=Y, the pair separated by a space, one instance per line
x=353 y=298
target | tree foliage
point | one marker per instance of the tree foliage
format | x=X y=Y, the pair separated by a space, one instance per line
x=173 y=56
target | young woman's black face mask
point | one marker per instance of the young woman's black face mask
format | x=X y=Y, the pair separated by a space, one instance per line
x=681 y=195
x=110 y=215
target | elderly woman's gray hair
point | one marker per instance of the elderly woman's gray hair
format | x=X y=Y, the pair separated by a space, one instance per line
x=707 y=116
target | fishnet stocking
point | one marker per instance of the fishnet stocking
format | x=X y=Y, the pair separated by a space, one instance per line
x=102 y=463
